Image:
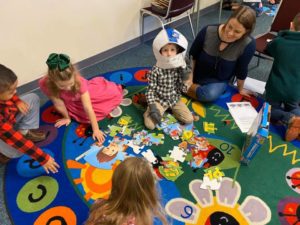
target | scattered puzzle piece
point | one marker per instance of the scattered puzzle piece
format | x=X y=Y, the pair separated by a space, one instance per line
x=149 y=155
x=177 y=154
x=209 y=127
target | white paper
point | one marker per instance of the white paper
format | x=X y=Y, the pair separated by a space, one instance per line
x=243 y=114
x=254 y=85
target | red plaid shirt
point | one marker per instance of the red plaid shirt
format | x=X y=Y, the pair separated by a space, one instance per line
x=8 y=112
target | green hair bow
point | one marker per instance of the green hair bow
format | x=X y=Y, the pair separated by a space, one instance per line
x=60 y=61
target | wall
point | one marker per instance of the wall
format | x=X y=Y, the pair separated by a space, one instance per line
x=32 y=29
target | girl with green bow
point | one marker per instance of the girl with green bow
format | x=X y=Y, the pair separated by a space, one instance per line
x=86 y=101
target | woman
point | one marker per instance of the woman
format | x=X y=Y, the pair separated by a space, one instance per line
x=221 y=52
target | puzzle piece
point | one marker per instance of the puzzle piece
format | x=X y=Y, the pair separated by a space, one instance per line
x=177 y=154
x=209 y=127
x=136 y=148
x=213 y=184
x=156 y=139
x=125 y=120
x=149 y=155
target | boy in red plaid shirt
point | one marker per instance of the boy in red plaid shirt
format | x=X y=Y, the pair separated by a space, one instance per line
x=18 y=119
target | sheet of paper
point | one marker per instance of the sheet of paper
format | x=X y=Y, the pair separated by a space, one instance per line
x=243 y=114
x=254 y=85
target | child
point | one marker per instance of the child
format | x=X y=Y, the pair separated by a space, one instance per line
x=282 y=88
x=166 y=79
x=256 y=5
x=18 y=119
x=86 y=101
x=134 y=198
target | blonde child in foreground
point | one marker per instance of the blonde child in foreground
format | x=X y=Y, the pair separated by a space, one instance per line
x=134 y=198
x=86 y=101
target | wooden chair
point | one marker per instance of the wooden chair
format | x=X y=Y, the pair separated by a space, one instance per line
x=286 y=12
x=170 y=14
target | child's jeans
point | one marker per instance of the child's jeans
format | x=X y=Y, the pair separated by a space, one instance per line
x=256 y=6
x=180 y=111
x=24 y=122
x=283 y=111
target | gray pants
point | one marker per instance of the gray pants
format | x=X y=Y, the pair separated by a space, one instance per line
x=24 y=122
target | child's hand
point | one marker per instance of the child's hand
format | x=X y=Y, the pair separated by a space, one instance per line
x=99 y=136
x=51 y=166
x=62 y=122
x=23 y=107
x=186 y=85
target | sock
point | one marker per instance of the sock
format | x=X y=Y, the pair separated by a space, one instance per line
x=23 y=132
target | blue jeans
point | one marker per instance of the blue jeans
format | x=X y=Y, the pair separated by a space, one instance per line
x=210 y=92
x=284 y=111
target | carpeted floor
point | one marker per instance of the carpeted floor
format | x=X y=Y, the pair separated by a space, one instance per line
x=262 y=191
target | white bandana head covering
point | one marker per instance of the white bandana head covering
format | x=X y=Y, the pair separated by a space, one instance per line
x=168 y=36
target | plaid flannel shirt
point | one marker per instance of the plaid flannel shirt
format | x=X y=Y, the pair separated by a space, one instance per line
x=8 y=112
x=165 y=86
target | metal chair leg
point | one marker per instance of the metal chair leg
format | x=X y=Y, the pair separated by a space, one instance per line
x=142 y=27
x=189 y=15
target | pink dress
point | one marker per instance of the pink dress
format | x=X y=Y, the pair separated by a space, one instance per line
x=105 y=96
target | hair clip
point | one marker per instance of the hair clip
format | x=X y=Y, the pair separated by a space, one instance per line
x=60 y=61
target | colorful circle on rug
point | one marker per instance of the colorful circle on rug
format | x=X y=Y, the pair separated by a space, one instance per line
x=57 y=215
x=141 y=75
x=293 y=179
x=28 y=167
x=37 y=194
x=50 y=115
x=51 y=134
x=121 y=77
x=288 y=210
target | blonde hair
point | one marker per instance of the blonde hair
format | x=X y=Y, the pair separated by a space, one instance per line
x=245 y=16
x=55 y=75
x=134 y=194
x=296 y=22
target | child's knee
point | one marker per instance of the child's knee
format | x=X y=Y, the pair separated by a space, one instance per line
x=31 y=99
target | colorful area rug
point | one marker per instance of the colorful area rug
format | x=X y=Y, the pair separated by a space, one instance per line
x=264 y=192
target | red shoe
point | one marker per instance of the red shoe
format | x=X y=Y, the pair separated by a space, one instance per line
x=3 y=159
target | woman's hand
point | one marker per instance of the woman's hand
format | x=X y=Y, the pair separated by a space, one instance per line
x=99 y=136
x=246 y=93
x=62 y=122
x=23 y=107
x=51 y=166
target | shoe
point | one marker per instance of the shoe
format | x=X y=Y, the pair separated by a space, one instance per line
x=293 y=129
x=192 y=91
x=3 y=159
x=35 y=135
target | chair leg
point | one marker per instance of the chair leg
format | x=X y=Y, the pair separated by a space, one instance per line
x=258 y=60
x=142 y=28
x=190 y=19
